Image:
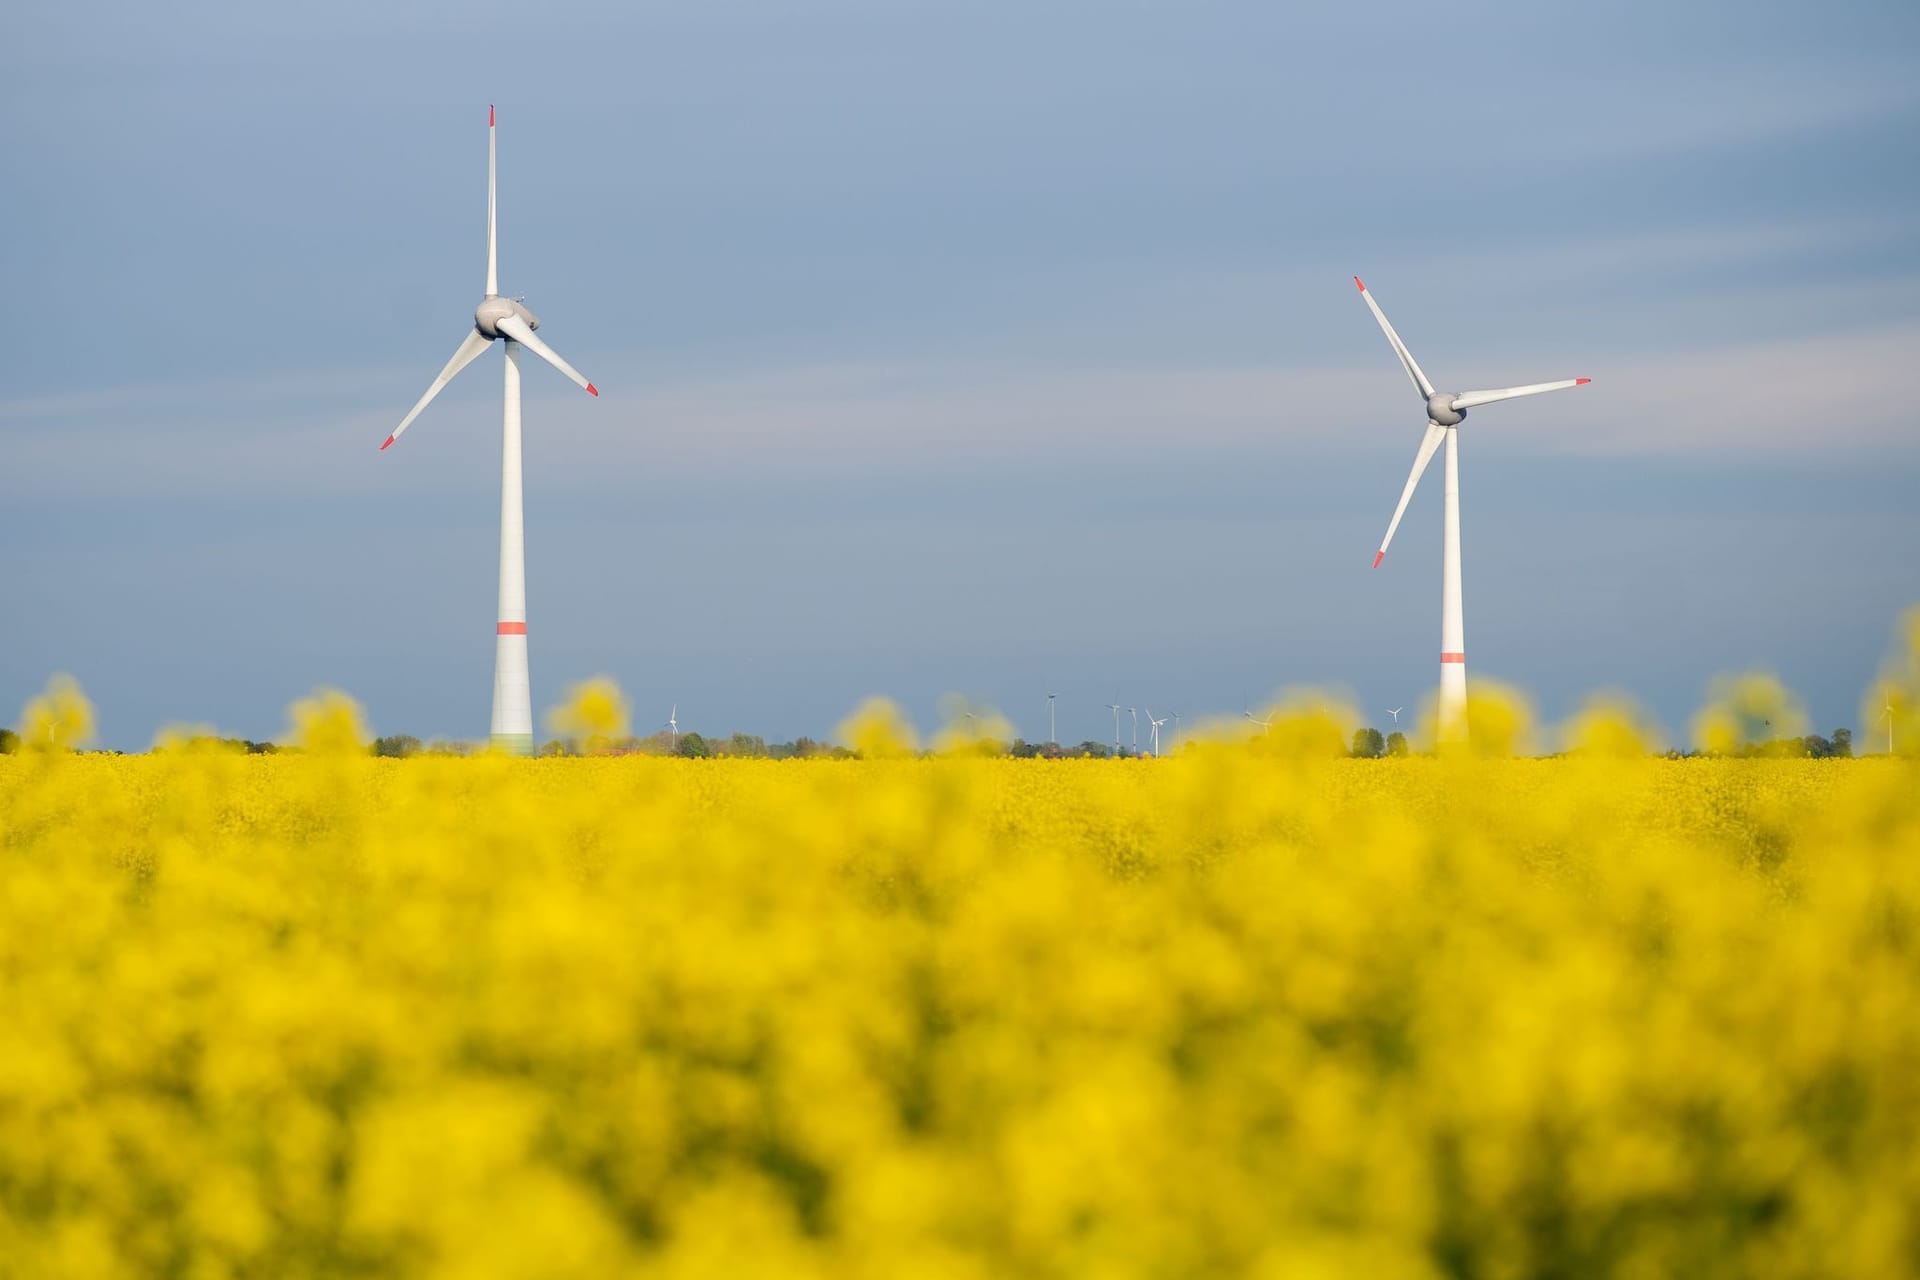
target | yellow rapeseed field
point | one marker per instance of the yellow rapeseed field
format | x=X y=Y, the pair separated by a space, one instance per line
x=1242 y=1012
x=1254 y=1010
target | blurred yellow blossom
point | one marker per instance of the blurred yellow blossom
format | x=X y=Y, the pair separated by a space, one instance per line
x=878 y=730
x=1748 y=713
x=327 y=723
x=594 y=715
x=58 y=719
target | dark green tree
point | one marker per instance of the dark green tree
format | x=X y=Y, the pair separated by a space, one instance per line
x=396 y=747
x=693 y=747
x=1396 y=743
x=1843 y=743
x=9 y=742
x=1368 y=744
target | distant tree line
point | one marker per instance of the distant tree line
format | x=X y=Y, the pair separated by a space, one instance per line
x=693 y=745
x=1368 y=744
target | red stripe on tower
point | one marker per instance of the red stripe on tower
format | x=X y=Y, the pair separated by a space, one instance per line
x=1453 y=657
x=489 y=115
x=513 y=628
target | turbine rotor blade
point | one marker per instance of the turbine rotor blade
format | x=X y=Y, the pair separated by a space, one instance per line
x=1428 y=443
x=475 y=343
x=1399 y=348
x=1468 y=399
x=493 y=240
x=522 y=333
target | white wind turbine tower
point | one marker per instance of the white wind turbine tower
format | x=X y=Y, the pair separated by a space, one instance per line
x=507 y=320
x=1445 y=412
x=1115 y=708
x=673 y=729
x=1153 y=726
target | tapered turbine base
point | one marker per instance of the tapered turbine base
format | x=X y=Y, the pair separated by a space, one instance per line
x=1453 y=622
x=512 y=696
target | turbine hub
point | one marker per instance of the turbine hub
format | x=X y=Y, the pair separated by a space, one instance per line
x=493 y=309
x=1440 y=409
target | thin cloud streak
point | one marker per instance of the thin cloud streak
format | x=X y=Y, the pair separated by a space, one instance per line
x=1806 y=397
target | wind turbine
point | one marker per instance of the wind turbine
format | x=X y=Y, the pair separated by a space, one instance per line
x=673 y=729
x=1115 y=708
x=1134 y=712
x=1154 y=728
x=507 y=320
x=1264 y=724
x=1053 y=739
x=1176 y=729
x=1395 y=713
x=1445 y=412
x=1889 y=726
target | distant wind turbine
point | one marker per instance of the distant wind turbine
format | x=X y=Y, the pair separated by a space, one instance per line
x=1445 y=412
x=1395 y=713
x=1115 y=708
x=1053 y=739
x=673 y=729
x=1264 y=724
x=1136 y=729
x=507 y=320
x=1154 y=728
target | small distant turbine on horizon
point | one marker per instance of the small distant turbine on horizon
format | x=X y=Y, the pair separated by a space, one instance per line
x=1445 y=412
x=1115 y=708
x=673 y=729
x=1053 y=739
x=1395 y=713
x=1153 y=726
x=506 y=320
x=1264 y=724
x=1134 y=712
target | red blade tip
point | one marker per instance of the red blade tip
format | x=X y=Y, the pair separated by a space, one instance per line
x=1359 y=284
x=1378 y=556
x=489 y=115
x=1581 y=382
x=383 y=448
x=592 y=390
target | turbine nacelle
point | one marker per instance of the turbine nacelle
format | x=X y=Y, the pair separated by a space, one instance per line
x=493 y=309
x=1440 y=409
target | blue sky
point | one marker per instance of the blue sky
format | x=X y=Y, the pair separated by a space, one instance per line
x=981 y=348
